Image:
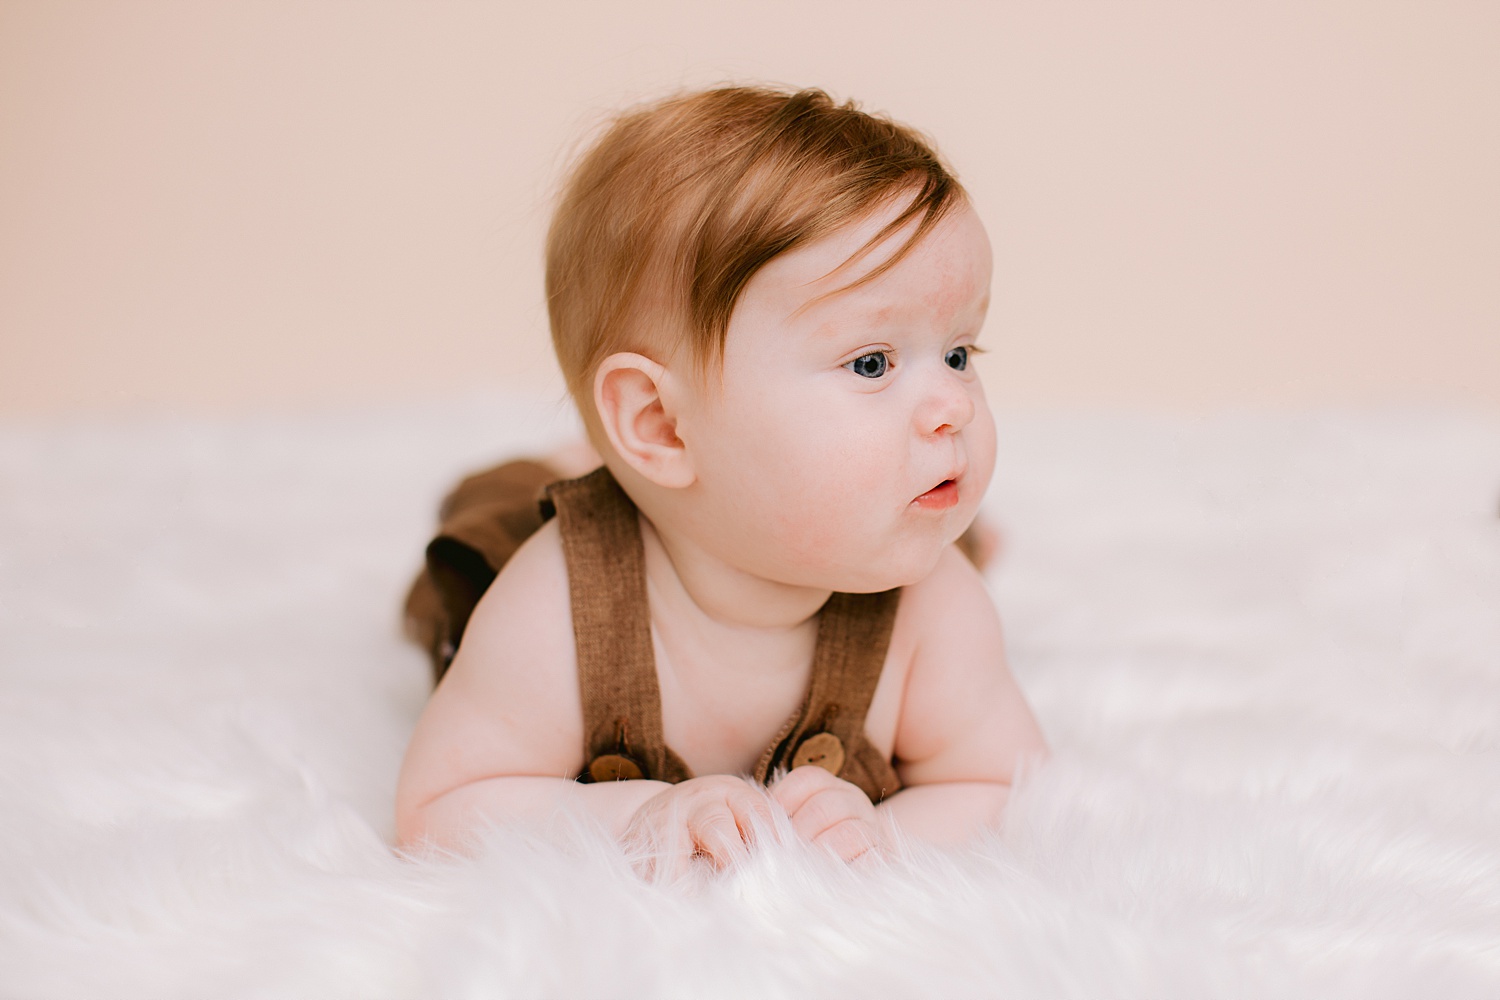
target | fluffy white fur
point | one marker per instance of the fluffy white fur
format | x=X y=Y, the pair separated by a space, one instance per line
x=1266 y=651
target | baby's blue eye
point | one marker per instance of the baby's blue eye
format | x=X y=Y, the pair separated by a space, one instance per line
x=957 y=359
x=872 y=365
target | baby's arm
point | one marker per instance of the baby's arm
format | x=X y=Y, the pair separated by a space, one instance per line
x=964 y=726
x=502 y=732
x=502 y=736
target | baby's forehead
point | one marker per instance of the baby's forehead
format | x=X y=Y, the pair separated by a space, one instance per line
x=842 y=280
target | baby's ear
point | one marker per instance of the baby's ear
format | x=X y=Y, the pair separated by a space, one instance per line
x=632 y=395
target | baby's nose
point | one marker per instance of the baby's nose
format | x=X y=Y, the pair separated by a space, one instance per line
x=948 y=408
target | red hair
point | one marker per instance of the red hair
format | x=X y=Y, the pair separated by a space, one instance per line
x=666 y=218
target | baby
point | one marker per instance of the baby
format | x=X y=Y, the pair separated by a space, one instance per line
x=766 y=306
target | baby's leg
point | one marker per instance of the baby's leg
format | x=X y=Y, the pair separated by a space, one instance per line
x=483 y=521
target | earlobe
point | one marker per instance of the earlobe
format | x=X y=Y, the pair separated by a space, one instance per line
x=632 y=398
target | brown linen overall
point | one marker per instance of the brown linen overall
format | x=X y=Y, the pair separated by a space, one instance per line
x=487 y=517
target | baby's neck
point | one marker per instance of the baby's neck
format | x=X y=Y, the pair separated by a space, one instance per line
x=686 y=574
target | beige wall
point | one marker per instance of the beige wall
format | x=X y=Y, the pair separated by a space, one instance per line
x=208 y=205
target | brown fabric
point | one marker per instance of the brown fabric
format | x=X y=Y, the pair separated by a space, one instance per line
x=488 y=516
x=485 y=519
x=854 y=632
x=601 y=540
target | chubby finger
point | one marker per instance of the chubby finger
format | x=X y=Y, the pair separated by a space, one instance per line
x=715 y=832
x=828 y=807
x=849 y=838
x=798 y=785
x=751 y=811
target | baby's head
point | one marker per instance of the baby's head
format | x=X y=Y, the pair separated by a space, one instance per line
x=764 y=305
x=675 y=208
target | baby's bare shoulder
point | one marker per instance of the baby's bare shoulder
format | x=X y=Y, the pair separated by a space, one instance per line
x=522 y=629
x=949 y=627
x=962 y=715
x=951 y=606
x=509 y=704
x=936 y=601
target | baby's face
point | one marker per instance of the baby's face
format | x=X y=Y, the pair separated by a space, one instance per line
x=848 y=440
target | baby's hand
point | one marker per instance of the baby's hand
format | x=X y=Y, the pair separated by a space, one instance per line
x=828 y=810
x=708 y=817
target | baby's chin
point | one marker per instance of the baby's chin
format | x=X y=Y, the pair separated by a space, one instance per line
x=896 y=569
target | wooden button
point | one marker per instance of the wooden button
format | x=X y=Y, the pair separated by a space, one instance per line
x=821 y=749
x=614 y=767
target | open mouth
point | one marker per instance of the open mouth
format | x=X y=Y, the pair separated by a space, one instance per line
x=940 y=497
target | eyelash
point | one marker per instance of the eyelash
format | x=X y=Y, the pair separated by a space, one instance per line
x=968 y=351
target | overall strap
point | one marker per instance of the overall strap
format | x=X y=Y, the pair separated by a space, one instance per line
x=854 y=633
x=601 y=541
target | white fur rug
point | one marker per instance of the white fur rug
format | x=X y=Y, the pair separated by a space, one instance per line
x=1266 y=651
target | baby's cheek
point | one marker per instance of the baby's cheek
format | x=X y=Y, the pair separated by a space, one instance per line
x=832 y=520
x=851 y=471
x=824 y=479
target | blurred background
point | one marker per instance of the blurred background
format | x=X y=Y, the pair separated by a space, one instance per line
x=225 y=207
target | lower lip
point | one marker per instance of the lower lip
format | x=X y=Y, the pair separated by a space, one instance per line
x=940 y=498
